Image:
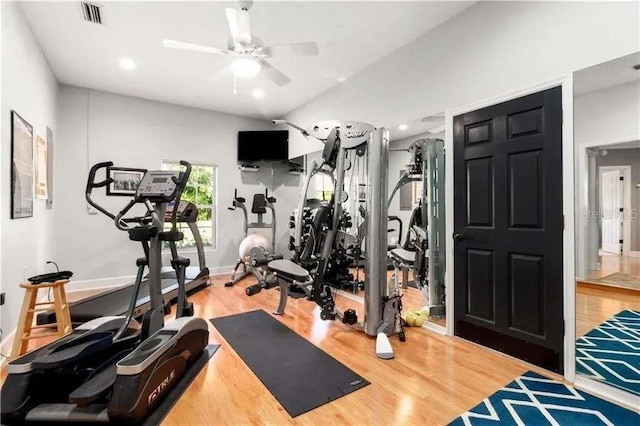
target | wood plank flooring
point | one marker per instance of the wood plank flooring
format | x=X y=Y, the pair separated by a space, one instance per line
x=596 y=303
x=432 y=380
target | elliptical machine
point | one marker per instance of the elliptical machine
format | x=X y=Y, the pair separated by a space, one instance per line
x=256 y=250
x=114 y=369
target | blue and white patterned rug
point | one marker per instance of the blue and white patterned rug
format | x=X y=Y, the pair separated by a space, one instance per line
x=532 y=399
x=611 y=352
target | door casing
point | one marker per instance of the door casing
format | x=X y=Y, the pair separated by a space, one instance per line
x=568 y=206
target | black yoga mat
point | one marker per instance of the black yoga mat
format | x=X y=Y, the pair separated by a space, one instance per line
x=170 y=399
x=297 y=373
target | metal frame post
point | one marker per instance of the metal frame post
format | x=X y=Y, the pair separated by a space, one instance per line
x=376 y=241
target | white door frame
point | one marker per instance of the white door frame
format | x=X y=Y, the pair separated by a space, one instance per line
x=568 y=206
x=626 y=194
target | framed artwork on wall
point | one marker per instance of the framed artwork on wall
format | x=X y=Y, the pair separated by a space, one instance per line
x=21 y=167
x=125 y=180
x=42 y=192
x=49 y=168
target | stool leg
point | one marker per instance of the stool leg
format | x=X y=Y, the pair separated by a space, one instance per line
x=24 y=323
x=58 y=303
x=66 y=312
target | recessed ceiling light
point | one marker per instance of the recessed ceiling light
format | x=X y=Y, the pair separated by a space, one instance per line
x=127 y=64
x=258 y=93
x=245 y=68
x=403 y=127
x=341 y=79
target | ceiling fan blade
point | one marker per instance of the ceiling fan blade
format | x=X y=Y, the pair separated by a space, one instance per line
x=238 y=21
x=173 y=44
x=274 y=74
x=309 y=48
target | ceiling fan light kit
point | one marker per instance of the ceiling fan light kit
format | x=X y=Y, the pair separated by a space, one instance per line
x=248 y=53
x=245 y=68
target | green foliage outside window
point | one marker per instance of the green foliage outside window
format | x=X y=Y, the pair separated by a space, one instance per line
x=200 y=190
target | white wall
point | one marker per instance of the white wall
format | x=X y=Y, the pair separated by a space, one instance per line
x=607 y=115
x=97 y=126
x=30 y=88
x=604 y=116
x=490 y=49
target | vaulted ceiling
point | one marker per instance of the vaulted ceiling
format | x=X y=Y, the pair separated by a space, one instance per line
x=350 y=35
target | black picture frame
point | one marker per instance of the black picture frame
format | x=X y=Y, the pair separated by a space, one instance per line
x=125 y=181
x=22 y=185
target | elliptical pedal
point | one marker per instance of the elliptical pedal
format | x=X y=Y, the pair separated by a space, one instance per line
x=95 y=387
x=74 y=350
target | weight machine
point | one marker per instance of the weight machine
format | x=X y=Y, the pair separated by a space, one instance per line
x=424 y=249
x=318 y=238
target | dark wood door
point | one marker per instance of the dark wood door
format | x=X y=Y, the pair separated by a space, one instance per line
x=508 y=228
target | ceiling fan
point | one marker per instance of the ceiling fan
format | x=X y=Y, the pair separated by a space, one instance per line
x=248 y=51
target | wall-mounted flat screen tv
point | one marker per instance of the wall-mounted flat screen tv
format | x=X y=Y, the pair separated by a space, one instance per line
x=268 y=145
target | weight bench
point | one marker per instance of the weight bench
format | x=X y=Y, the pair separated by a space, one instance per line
x=288 y=274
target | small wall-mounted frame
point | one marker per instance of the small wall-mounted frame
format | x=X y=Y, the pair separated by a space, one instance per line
x=21 y=167
x=125 y=181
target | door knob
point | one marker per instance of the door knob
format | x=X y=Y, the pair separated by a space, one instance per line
x=459 y=236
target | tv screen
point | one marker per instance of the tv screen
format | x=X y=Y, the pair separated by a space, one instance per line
x=272 y=145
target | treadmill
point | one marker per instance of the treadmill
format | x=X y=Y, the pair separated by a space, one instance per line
x=116 y=302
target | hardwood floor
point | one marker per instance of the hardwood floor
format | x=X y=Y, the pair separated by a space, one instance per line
x=597 y=303
x=610 y=264
x=431 y=381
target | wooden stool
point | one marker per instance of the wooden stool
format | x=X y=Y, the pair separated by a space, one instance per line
x=30 y=305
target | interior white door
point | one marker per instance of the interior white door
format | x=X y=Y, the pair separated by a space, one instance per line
x=611 y=196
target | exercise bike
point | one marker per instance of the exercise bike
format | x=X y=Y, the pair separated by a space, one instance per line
x=114 y=369
x=256 y=250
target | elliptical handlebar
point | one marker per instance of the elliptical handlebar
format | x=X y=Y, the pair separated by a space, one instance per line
x=150 y=219
x=181 y=183
x=91 y=183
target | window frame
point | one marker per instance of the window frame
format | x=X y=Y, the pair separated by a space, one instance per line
x=212 y=206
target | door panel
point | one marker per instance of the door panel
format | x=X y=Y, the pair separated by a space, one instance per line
x=480 y=181
x=480 y=284
x=508 y=221
x=526 y=204
x=526 y=286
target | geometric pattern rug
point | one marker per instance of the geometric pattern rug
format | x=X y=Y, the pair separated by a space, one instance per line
x=610 y=352
x=532 y=399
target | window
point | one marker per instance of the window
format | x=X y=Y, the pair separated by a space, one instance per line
x=323 y=186
x=416 y=196
x=200 y=190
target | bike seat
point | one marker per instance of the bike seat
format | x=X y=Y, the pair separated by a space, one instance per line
x=288 y=271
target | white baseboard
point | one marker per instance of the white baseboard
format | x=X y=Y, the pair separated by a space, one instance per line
x=610 y=393
x=435 y=327
x=98 y=283
x=221 y=270
x=111 y=282
x=634 y=254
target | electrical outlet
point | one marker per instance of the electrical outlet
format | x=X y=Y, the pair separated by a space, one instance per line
x=2 y=296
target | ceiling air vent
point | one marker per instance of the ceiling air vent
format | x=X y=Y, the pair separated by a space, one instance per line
x=92 y=12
